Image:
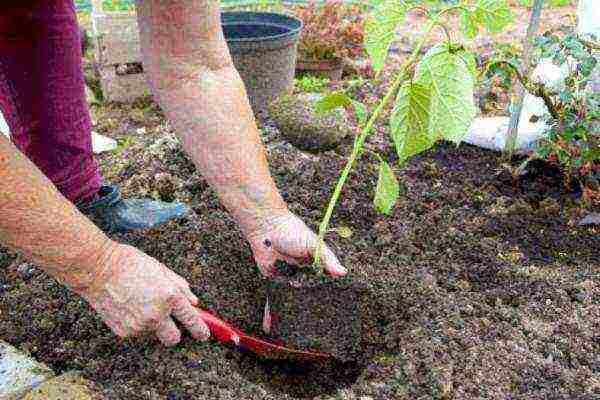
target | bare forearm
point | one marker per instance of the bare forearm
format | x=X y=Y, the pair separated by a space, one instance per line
x=193 y=78
x=214 y=119
x=38 y=221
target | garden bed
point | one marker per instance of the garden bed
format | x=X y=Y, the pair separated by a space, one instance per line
x=479 y=286
x=468 y=275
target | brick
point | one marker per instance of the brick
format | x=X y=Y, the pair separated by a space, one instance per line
x=68 y=386
x=19 y=373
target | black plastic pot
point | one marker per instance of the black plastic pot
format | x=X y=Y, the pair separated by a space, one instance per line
x=263 y=47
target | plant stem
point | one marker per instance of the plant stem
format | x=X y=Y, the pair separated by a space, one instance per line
x=359 y=141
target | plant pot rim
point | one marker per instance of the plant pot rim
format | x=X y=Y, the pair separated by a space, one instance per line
x=292 y=24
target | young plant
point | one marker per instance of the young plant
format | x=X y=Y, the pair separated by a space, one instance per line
x=432 y=94
x=573 y=138
x=331 y=31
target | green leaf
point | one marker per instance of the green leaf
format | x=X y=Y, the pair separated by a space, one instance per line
x=387 y=191
x=494 y=15
x=410 y=121
x=470 y=60
x=380 y=30
x=361 y=112
x=468 y=25
x=450 y=81
x=332 y=101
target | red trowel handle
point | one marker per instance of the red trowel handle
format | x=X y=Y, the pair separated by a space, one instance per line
x=219 y=328
x=224 y=332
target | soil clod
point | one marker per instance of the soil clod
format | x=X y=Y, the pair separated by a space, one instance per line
x=310 y=313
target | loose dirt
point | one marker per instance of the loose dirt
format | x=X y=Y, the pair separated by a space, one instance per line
x=475 y=290
x=480 y=286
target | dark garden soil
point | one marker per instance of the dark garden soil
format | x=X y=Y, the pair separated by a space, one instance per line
x=475 y=289
x=479 y=285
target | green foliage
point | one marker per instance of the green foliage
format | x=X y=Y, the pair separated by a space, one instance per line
x=388 y=189
x=118 y=5
x=411 y=116
x=332 y=101
x=380 y=29
x=361 y=112
x=492 y=15
x=309 y=84
x=450 y=80
x=433 y=95
x=573 y=137
x=573 y=140
x=550 y=3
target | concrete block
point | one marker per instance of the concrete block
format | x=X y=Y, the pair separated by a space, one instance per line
x=68 y=386
x=19 y=373
x=117 y=37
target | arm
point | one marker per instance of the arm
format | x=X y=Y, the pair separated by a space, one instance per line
x=131 y=291
x=202 y=94
x=38 y=221
x=196 y=84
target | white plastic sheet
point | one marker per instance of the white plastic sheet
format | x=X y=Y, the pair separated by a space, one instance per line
x=490 y=133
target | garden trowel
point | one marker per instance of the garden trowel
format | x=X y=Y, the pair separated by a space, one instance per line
x=225 y=333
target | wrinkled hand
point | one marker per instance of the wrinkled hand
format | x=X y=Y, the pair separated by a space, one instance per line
x=136 y=294
x=285 y=237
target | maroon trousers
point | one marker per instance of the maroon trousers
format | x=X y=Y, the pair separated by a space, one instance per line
x=42 y=92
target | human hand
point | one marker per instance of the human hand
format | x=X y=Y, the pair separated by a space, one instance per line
x=286 y=237
x=136 y=294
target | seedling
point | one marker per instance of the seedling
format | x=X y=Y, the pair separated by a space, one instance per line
x=432 y=94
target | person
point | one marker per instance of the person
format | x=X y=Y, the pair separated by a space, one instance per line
x=50 y=187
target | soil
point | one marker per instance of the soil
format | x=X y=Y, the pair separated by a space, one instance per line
x=480 y=286
x=466 y=275
x=312 y=313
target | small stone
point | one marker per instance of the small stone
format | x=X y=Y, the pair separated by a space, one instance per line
x=101 y=143
x=19 y=373
x=68 y=386
x=468 y=309
x=463 y=284
x=298 y=123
